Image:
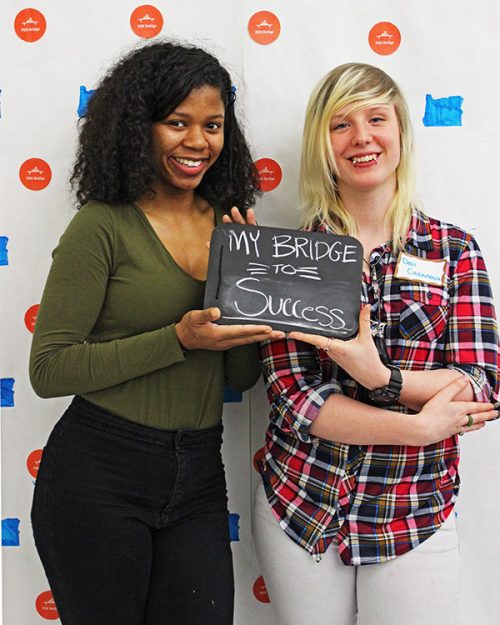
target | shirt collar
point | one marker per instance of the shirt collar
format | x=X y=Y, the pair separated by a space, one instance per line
x=419 y=233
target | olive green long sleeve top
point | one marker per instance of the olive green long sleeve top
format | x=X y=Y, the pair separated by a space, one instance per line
x=106 y=326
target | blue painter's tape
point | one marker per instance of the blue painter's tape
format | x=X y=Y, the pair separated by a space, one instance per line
x=234 y=526
x=231 y=396
x=6 y=392
x=4 y=253
x=443 y=111
x=85 y=95
x=10 y=533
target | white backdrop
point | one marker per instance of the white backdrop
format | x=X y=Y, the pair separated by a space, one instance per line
x=446 y=49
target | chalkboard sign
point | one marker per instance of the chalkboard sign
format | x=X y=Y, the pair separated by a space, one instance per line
x=289 y=279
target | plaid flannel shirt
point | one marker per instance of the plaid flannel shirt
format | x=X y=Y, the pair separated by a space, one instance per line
x=380 y=501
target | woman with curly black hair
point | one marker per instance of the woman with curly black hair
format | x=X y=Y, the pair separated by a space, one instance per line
x=130 y=507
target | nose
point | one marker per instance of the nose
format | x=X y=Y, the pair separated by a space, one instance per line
x=195 y=138
x=361 y=135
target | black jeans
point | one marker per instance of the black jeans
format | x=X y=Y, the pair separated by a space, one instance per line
x=131 y=522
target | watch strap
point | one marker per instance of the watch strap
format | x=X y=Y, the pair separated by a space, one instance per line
x=388 y=394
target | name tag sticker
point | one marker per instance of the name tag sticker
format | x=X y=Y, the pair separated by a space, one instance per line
x=420 y=270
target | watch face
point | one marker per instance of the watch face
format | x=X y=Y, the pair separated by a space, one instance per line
x=383 y=396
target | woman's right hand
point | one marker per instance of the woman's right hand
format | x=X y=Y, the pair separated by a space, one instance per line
x=197 y=330
x=358 y=356
x=441 y=417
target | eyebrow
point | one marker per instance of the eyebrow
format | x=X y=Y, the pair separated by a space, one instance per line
x=377 y=107
x=188 y=116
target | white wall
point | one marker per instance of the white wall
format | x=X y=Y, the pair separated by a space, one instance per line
x=447 y=49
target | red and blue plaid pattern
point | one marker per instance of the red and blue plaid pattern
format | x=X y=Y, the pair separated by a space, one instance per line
x=375 y=501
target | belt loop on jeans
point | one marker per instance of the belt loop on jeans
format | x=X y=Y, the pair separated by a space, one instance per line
x=179 y=435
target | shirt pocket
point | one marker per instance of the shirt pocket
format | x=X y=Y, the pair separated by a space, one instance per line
x=424 y=311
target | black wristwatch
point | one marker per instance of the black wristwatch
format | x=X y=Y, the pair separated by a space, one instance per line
x=388 y=394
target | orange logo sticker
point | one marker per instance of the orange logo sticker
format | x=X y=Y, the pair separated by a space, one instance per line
x=46 y=606
x=30 y=25
x=33 y=462
x=30 y=317
x=35 y=174
x=259 y=454
x=384 y=38
x=264 y=27
x=260 y=590
x=269 y=173
x=146 y=21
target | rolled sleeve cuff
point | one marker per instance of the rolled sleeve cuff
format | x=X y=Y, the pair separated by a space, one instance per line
x=479 y=380
x=299 y=413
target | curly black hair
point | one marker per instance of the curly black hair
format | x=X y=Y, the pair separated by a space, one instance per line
x=114 y=159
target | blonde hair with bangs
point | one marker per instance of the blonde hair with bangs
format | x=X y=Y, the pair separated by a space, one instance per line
x=347 y=84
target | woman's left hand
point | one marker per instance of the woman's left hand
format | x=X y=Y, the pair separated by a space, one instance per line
x=237 y=218
x=358 y=356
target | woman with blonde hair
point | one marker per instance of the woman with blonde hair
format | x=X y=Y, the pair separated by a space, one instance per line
x=361 y=456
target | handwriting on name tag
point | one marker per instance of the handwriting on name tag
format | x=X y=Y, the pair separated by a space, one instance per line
x=420 y=269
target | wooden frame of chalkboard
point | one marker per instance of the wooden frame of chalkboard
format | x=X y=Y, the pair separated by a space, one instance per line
x=289 y=279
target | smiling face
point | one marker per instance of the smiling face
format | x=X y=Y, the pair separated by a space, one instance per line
x=188 y=141
x=366 y=147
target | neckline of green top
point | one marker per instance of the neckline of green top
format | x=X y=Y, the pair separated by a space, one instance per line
x=144 y=219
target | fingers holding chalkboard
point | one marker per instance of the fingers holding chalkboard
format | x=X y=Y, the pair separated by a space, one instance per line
x=359 y=356
x=237 y=218
x=318 y=340
x=197 y=330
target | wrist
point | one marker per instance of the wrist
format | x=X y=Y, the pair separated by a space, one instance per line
x=389 y=393
x=417 y=433
x=178 y=332
x=380 y=378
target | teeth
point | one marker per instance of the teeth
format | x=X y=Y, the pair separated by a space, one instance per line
x=188 y=162
x=364 y=159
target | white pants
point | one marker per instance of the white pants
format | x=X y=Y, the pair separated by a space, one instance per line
x=418 y=588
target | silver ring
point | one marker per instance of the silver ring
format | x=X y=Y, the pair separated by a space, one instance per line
x=327 y=346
